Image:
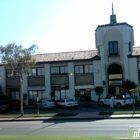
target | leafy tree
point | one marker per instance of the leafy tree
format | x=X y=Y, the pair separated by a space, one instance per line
x=19 y=60
x=99 y=90
x=127 y=85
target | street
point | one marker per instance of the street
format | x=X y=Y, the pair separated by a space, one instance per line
x=117 y=128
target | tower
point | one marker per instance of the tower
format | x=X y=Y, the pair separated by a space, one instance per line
x=114 y=42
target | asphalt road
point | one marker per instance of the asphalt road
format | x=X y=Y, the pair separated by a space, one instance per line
x=117 y=128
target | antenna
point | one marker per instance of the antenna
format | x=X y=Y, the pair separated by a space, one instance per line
x=112 y=8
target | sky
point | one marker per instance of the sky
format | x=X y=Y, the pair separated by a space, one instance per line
x=62 y=25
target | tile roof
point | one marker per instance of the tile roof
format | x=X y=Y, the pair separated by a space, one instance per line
x=66 y=56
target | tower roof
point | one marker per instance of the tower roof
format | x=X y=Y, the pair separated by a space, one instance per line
x=113 y=19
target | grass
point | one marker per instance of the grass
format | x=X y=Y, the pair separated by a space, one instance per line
x=40 y=115
x=41 y=137
x=65 y=114
x=118 y=112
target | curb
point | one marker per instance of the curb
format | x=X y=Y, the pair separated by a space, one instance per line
x=68 y=118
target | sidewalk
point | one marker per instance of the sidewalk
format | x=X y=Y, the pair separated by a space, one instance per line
x=94 y=115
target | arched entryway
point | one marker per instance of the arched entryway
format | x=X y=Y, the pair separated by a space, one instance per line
x=115 y=78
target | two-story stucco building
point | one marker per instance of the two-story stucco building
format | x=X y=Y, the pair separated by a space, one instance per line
x=67 y=73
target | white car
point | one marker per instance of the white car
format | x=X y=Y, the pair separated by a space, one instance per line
x=44 y=104
x=67 y=103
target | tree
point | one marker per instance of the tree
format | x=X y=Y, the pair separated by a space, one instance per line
x=127 y=85
x=19 y=60
x=99 y=90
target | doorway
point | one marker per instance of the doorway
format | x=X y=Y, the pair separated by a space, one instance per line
x=115 y=78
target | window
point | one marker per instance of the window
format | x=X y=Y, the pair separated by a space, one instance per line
x=14 y=92
x=84 y=69
x=59 y=70
x=64 y=69
x=11 y=73
x=129 y=45
x=32 y=95
x=40 y=71
x=54 y=70
x=79 y=69
x=32 y=72
x=113 y=48
x=36 y=72
x=88 y=68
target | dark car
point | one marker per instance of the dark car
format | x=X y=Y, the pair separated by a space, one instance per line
x=4 y=105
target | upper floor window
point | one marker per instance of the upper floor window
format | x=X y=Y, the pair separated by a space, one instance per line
x=40 y=71
x=11 y=73
x=88 y=68
x=32 y=72
x=36 y=72
x=84 y=69
x=129 y=45
x=59 y=70
x=113 y=48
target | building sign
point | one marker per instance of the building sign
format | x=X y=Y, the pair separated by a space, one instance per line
x=36 y=88
x=115 y=83
x=84 y=87
x=115 y=76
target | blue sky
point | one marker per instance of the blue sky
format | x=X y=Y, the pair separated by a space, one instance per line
x=62 y=25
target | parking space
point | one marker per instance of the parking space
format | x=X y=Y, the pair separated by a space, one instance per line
x=84 y=107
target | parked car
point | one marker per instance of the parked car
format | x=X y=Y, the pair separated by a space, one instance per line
x=67 y=103
x=119 y=100
x=46 y=104
x=4 y=105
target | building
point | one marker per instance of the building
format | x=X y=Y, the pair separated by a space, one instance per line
x=62 y=75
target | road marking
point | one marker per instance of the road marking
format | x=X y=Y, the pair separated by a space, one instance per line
x=54 y=127
x=35 y=127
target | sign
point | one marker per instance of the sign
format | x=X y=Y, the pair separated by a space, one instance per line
x=115 y=76
x=115 y=83
x=36 y=88
x=85 y=87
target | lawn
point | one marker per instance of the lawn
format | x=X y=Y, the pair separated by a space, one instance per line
x=65 y=114
x=40 y=115
x=118 y=112
x=40 y=137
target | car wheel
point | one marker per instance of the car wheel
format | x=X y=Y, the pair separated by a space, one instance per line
x=119 y=105
x=101 y=103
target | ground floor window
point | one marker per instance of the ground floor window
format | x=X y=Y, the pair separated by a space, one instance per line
x=83 y=94
x=32 y=96
x=60 y=92
x=14 y=93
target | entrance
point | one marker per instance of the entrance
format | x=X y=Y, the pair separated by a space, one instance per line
x=115 y=78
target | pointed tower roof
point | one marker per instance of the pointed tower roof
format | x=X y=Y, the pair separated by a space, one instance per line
x=113 y=21
x=113 y=16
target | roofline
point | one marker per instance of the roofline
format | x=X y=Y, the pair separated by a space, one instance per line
x=61 y=61
x=131 y=56
x=116 y=24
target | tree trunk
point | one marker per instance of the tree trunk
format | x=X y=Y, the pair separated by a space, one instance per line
x=21 y=97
